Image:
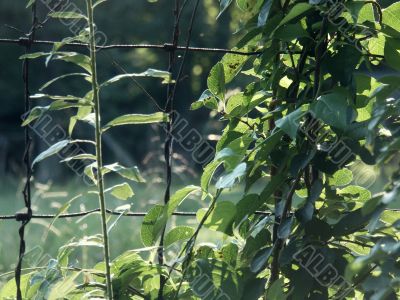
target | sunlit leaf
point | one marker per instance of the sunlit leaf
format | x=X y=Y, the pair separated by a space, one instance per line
x=121 y=191
x=134 y=119
x=177 y=234
x=54 y=149
x=166 y=76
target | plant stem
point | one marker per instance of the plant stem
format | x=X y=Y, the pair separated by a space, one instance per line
x=100 y=179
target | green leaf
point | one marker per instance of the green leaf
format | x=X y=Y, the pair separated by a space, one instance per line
x=62 y=77
x=260 y=259
x=166 y=76
x=341 y=178
x=232 y=64
x=34 y=114
x=206 y=99
x=132 y=173
x=228 y=180
x=297 y=11
x=352 y=222
x=217 y=278
x=264 y=13
x=390 y=16
x=223 y=5
x=54 y=149
x=147 y=230
x=178 y=197
x=208 y=173
x=63 y=209
x=357 y=193
x=392 y=53
x=78 y=59
x=34 y=55
x=62 y=288
x=236 y=105
x=61 y=104
x=291 y=122
x=284 y=228
x=178 y=234
x=305 y=214
x=9 y=290
x=30 y=3
x=98 y=2
x=275 y=292
x=290 y=32
x=216 y=81
x=57 y=98
x=221 y=218
x=87 y=241
x=333 y=109
x=134 y=119
x=67 y=15
x=157 y=220
x=83 y=156
x=121 y=191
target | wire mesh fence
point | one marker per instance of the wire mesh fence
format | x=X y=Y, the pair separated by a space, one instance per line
x=28 y=42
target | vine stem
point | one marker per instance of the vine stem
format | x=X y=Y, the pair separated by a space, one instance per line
x=100 y=178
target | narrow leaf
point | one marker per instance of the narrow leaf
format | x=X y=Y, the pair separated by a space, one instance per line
x=67 y=15
x=166 y=76
x=62 y=77
x=134 y=119
x=54 y=149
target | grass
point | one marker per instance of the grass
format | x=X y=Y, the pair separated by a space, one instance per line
x=43 y=240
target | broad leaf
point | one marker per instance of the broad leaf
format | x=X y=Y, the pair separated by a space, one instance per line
x=121 y=191
x=178 y=234
x=131 y=173
x=228 y=180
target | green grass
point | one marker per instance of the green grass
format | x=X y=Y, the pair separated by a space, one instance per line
x=44 y=241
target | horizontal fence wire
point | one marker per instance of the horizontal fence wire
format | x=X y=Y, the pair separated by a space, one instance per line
x=165 y=46
x=21 y=216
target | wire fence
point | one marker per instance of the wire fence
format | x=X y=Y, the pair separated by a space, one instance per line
x=28 y=41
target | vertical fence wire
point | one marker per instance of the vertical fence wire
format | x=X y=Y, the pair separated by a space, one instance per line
x=24 y=218
x=168 y=145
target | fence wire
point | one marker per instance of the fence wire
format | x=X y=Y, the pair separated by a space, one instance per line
x=170 y=48
x=166 y=46
x=27 y=42
x=25 y=217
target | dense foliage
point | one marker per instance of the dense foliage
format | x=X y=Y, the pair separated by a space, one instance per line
x=314 y=109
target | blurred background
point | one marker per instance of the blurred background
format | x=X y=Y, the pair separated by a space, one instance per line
x=54 y=184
